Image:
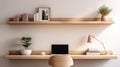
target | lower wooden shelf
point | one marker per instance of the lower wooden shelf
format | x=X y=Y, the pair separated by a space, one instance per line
x=48 y=56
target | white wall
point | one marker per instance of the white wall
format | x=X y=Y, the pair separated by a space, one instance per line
x=44 y=35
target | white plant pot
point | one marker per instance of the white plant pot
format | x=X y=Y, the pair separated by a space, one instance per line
x=26 y=52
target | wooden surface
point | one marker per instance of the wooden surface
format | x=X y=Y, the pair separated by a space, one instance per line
x=48 y=56
x=15 y=54
x=65 y=21
x=48 y=52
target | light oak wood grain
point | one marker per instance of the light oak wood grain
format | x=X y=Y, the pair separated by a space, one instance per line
x=73 y=56
x=65 y=21
x=74 y=53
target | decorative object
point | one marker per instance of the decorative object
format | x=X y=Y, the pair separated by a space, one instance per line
x=45 y=13
x=26 y=42
x=17 y=18
x=90 y=40
x=25 y=17
x=43 y=53
x=37 y=17
x=104 y=11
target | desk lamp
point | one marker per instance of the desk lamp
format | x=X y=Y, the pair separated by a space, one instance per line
x=90 y=40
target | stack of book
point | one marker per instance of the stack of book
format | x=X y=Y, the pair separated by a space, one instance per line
x=92 y=52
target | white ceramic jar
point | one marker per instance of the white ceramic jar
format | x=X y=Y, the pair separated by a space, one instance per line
x=26 y=52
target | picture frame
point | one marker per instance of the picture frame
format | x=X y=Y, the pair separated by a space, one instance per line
x=45 y=13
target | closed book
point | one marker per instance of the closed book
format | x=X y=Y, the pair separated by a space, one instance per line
x=92 y=49
x=92 y=53
x=14 y=52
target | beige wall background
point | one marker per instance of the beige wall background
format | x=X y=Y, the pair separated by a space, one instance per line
x=45 y=35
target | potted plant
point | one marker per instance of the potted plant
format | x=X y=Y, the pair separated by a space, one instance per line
x=104 y=11
x=26 y=42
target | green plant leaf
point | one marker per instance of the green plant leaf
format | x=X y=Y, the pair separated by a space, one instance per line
x=104 y=10
x=26 y=41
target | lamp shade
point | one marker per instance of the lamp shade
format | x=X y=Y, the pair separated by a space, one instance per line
x=89 y=39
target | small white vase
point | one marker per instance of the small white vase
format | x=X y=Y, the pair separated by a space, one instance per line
x=26 y=52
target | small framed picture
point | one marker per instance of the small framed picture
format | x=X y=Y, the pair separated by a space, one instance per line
x=45 y=13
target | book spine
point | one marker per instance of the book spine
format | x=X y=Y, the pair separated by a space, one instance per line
x=93 y=54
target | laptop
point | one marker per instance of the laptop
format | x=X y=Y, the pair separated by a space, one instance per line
x=60 y=49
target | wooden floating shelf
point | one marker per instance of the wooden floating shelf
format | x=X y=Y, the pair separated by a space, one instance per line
x=27 y=56
x=15 y=54
x=94 y=56
x=65 y=21
x=48 y=56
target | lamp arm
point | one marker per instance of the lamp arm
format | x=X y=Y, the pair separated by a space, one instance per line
x=100 y=42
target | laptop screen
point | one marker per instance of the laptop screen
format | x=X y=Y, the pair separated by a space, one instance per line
x=60 y=49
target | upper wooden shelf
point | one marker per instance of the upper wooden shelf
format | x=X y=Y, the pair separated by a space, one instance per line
x=65 y=21
x=73 y=56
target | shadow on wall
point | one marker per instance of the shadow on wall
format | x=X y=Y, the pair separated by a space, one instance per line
x=44 y=63
x=57 y=27
x=90 y=63
x=11 y=44
x=27 y=63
